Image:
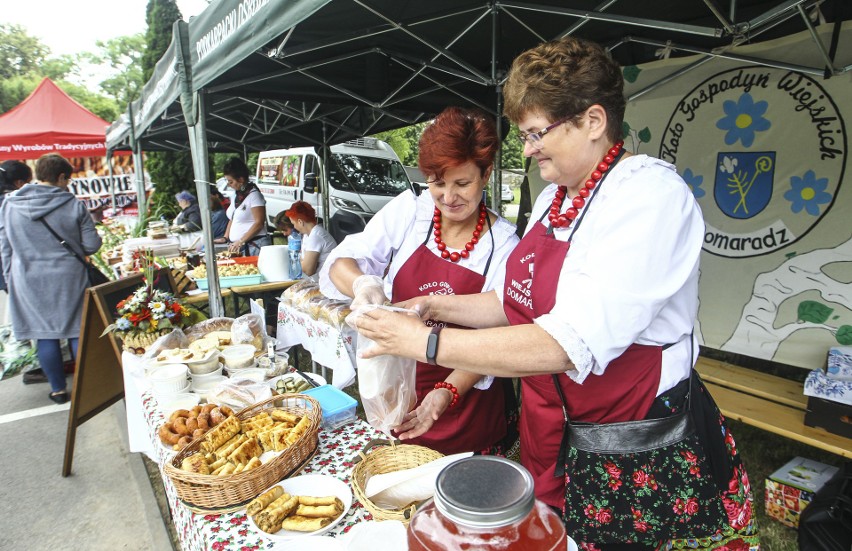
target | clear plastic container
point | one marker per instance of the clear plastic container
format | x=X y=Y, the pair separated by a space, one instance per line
x=485 y=502
x=338 y=408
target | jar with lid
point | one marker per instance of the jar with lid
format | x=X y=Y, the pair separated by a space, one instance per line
x=485 y=502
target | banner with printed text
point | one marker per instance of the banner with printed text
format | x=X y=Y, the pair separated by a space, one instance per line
x=765 y=152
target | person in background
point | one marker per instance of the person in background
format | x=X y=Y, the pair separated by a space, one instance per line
x=46 y=282
x=13 y=176
x=600 y=297
x=218 y=216
x=189 y=218
x=443 y=241
x=317 y=243
x=283 y=224
x=246 y=232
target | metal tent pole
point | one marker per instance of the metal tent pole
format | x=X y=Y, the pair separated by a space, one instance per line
x=201 y=168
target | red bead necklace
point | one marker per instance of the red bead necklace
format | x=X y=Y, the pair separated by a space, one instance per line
x=464 y=253
x=565 y=219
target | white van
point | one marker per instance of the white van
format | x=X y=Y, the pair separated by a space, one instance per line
x=364 y=175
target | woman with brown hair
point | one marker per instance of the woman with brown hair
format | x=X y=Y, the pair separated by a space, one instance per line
x=596 y=316
x=445 y=241
x=34 y=260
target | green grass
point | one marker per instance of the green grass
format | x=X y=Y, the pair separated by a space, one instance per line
x=763 y=453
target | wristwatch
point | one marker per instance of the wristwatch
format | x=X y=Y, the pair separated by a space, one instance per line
x=432 y=345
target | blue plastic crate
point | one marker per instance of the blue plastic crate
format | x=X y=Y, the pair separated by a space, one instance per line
x=232 y=281
x=338 y=408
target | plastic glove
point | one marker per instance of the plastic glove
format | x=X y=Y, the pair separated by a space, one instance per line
x=368 y=289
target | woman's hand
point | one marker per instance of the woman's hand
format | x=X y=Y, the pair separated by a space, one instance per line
x=220 y=240
x=393 y=333
x=235 y=246
x=422 y=305
x=420 y=419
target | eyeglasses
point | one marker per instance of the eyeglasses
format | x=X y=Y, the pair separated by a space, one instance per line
x=534 y=138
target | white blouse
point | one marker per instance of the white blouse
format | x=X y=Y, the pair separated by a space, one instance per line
x=242 y=219
x=399 y=228
x=631 y=274
x=395 y=233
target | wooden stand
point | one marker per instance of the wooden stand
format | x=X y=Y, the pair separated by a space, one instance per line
x=98 y=378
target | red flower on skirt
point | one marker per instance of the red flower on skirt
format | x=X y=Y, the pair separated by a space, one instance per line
x=640 y=526
x=679 y=506
x=640 y=478
x=604 y=516
x=614 y=483
x=689 y=456
x=590 y=511
x=691 y=506
x=612 y=469
x=739 y=514
x=734 y=482
x=736 y=545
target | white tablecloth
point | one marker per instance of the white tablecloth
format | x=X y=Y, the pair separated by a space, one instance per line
x=135 y=384
x=329 y=346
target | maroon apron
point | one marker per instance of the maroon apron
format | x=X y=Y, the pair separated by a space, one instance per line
x=478 y=420
x=624 y=392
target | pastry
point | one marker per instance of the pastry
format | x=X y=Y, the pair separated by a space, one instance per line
x=195 y=463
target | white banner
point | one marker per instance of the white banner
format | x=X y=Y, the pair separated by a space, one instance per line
x=765 y=152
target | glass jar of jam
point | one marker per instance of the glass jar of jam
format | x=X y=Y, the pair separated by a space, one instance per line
x=485 y=502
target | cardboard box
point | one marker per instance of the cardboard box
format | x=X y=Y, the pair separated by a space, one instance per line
x=840 y=363
x=792 y=487
x=830 y=416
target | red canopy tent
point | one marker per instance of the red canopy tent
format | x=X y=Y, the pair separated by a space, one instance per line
x=49 y=121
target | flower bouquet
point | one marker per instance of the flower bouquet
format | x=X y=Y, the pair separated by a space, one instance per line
x=149 y=313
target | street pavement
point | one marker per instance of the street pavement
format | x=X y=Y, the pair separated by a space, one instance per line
x=107 y=503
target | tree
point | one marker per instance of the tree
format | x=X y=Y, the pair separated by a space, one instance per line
x=160 y=16
x=513 y=150
x=24 y=63
x=124 y=55
x=20 y=53
x=170 y=171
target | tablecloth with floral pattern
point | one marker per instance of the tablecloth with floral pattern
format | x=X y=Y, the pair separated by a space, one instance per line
x=232 y=531
x=330 y=346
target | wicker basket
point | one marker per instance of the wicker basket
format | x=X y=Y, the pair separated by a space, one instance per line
x=215 y=492
x=385 y=459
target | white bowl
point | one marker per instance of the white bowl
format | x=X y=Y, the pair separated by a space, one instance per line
x=208 y=364
x=168 y=379
x=163 y=397
x=201 y=377
x=202 y=386
x=237 y=356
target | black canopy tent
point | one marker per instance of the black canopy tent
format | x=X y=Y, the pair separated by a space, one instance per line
x=257 y=75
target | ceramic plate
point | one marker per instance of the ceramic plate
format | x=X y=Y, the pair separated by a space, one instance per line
x=316 y=485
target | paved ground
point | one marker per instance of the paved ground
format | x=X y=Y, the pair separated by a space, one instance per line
x=106 y=504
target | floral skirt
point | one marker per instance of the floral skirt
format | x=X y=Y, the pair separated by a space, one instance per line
x=698 y=488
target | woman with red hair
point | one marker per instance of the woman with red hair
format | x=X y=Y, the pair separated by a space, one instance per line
x=442 y=242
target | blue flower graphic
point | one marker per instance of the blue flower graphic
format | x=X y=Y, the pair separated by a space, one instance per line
x=694 y=182
x=807 y=192
x=742 y=119
x=123 y=324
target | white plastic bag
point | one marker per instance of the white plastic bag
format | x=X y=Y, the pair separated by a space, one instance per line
x=385 y=383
